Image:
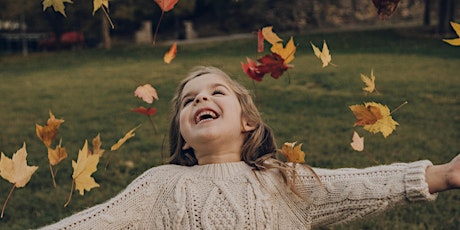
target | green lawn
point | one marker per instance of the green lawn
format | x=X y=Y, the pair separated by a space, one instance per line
x=93 y=91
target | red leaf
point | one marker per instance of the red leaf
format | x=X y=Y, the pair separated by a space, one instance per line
x=146 y=111
x=251 y=69
x=260 y=41
x=273 y=64
x=166 y=5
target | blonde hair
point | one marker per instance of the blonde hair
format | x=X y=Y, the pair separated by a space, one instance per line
x=259 y=146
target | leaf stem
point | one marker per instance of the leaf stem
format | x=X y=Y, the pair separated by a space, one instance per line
x=158 y=25
x=70 y=195
x=52 y=175
x=153 y=124
x=397 y=108
x=7 y=198
x=108 y=17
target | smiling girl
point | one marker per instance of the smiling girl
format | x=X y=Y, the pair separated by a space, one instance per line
x=223 y=174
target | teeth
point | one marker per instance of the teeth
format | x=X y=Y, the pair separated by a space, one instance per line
x=205 y=115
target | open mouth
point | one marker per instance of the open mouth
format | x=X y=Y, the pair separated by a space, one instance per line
x=205 y=115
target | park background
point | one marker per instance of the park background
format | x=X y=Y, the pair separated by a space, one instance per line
x=91 y=87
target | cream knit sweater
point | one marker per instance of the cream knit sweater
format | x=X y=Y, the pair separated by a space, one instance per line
x=233 y=196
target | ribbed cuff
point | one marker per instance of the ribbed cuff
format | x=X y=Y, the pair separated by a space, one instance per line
x=415 y=180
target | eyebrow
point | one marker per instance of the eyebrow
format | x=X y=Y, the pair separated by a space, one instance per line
x=210 y=86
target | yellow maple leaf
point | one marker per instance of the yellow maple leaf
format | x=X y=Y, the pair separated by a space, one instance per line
x=16 y=170
x=97 y=150
x=270 y=36
x=97 y=4
x=323 y=55
x=369 y=82
x=58 y=5
x=57 y=154
x=286 y=52
x=454 y=41
x=293 y=153
x=374 y=117
x=49 y=132
x=357 y=142
x=82 y=169
x=127 y=136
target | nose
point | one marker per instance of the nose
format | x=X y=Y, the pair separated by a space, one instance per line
x=200 y=98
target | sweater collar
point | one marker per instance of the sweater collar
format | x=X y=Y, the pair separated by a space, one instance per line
x=222 y=170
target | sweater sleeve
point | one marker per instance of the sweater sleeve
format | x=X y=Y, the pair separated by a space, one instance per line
x=123 y=211
x=347 y=194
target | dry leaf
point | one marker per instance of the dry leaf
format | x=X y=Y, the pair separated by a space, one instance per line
x=99 y=3
x=97 y=150
x=58 y=5
x=55 y=156
x=146 y=111
x=369 y=82
x=16 y=170
x=357 y=142
x=323 y=55
x=147 y=93
x=82 y=169
x=166 y=5
x=127 y=136
x=385 y=7
x=287 y=52
x=270 y=36
x=260 y=41
x=171 y=54
x=374 y=117
x=49 y=132
x=454 y=41
x=293 y=153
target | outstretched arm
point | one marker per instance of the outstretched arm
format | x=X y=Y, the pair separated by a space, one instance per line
x=444 y=177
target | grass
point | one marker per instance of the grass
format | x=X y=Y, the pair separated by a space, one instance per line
x=92 y=90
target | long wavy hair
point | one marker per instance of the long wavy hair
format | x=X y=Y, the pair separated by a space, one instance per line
x=259 y=146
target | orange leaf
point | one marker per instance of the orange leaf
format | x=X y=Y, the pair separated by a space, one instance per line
x=374 y=117
x=49 y=132
x=146 y=111
x=260 y=41
x=127 y=136
x=97 y=150
x=166 y=5
x=147 y=93
x=171 y=54
x=16 y=170
x=57 y=155
x=357 y=142
x=82 y=169
x=293 y=153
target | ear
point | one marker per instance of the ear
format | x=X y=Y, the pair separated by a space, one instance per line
x=186 y=146
x=248 y=126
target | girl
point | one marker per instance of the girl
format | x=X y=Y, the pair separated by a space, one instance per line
x=223 y=174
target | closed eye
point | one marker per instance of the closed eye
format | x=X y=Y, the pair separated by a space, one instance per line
x=218 y=91
x=187 y=101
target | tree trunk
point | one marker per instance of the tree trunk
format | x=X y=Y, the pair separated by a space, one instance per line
x=105 y=27
x=446 y=14
x=426 y=14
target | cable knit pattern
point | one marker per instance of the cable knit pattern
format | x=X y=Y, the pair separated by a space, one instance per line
x=234 y=196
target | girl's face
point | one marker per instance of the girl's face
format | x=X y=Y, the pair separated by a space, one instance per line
x=210 y=118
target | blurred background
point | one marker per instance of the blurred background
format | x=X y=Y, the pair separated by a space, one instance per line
x=26 y=27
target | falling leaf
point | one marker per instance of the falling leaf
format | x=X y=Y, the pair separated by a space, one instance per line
x=49 y=132
x=293 y=153
x=166 y=5
x=357 y=142
x=82 y=169
x=58 y=5
x=251 y=69
x=171 y=54
x=146 y=111
x=56 y=155
x=287 y=52
x=270 y=36
x=369 y=82
x=97 y=4
x=97 y=150
x=260 y=41
x=273 y=64
x=323 y=55
x=454 y=41
x=374 y=117
x=147 y=93
x=16 y=170
x=127 y=136
x=385 y=7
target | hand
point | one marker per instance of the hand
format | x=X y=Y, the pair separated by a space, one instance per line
x=444 y=177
